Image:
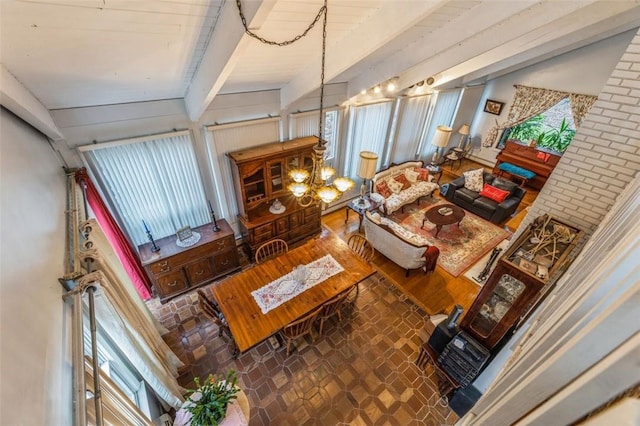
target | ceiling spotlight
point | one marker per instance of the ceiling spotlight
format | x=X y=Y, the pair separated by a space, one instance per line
x=363 y=92
x=430 y=80
x=391 y=86
x=376 y=89
x=420 y=83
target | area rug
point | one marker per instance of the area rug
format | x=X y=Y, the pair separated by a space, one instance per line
x=460 y=245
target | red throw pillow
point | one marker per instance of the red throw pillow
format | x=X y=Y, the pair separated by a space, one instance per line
x=493 y=193
x=423 y=174
x=404 y=181
x=383 y=189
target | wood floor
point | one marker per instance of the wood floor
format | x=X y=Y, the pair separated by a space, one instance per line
x=438 y=292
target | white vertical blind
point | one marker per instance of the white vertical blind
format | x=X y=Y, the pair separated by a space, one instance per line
x=443 y=114
x=232 y=137
x=369 y=126
x=306 y=124
x=410 y=127
x=155 y=179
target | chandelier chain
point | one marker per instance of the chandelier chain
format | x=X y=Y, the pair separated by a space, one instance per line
x=324 y=45
x=279 y=43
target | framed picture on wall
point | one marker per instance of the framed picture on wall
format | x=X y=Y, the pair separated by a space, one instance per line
x=493 y=107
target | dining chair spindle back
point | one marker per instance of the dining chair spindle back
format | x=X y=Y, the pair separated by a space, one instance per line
x=271 y=249
x=211 y=310
x=300 y=327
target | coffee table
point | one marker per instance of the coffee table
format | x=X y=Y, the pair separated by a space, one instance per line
x=434 y=216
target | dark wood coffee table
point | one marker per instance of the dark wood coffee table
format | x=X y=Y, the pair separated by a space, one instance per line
x=434 y=216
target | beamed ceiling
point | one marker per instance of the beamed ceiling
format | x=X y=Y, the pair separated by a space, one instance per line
x=77 y=53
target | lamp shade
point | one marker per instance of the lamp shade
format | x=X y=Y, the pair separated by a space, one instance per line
x=464 y=129
x=441 y=138
x=368 y=164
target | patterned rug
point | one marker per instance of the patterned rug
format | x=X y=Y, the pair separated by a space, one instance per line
x=460 y=246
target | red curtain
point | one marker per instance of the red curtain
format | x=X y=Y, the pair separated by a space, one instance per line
x=112 y=231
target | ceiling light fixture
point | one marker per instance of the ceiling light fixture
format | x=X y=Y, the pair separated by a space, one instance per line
x=377 y=89
x=315 y=186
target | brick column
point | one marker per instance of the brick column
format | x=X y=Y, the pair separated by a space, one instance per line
x=604 y=155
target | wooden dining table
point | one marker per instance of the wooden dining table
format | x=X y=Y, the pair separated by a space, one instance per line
x=249 y=326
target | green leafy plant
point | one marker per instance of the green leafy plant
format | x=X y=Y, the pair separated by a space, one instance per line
x=557 y=139
x=528 y=130
x=208 y=402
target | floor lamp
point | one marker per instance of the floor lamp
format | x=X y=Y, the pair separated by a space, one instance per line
x=366 y=170
x=440 y=140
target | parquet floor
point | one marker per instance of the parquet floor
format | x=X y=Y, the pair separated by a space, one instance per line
x=360 y=372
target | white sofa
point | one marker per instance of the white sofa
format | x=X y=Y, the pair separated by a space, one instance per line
x=401 y=246
x=407 y=196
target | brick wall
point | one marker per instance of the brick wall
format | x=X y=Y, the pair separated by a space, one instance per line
x=604 y=155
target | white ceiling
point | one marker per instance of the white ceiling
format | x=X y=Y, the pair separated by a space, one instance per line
x=75 y=53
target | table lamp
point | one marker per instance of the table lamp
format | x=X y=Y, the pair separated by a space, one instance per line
x=440 y=140
x=366 y=170
x=463 y=131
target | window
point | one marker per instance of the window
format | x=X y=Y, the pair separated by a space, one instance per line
x=369 y=128
x=306 y=124
x=446 y=104
x=410 y=128
x=554 y=129
x=155 y=179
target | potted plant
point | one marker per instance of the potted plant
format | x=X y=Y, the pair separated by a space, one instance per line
x=208 y=402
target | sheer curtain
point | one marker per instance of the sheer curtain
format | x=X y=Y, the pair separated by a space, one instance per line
x=410 y=127
x=369 y=128
x=230 y=137
x=127 y=320
x=306 y=124
x=444 y=112
x=155 y=179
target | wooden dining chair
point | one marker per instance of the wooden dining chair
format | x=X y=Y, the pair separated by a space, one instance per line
x=300 y=327
x=363 y=248
x=211 y=309
x=333 y=307
x=271 y=249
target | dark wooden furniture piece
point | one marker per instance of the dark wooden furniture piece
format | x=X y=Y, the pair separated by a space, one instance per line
x=434 y=216
x=428 y=355
x=249 y=325
x=175 y=270
x=212 y=311
x=522 y=276
x=260 y=176
x=354 y=205
x=333 y=307
x=530 y=158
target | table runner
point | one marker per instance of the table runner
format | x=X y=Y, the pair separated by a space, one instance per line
x=286 y=288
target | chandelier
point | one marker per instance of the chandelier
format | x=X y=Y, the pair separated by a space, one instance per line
x=317 y=185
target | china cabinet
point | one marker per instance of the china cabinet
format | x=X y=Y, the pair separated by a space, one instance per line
x=532 y=263
x=260 y=177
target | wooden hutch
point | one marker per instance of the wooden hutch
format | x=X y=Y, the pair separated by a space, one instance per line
x=260 y=176
x=539 y=162
x=533 y=262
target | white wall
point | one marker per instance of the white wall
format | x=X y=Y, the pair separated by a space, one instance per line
x=35 y=370
x=583 y=70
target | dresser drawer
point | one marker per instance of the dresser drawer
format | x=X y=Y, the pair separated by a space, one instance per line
x=225 y=261
x=263 y=233
x=199 y=271
x=172 y=282
x=296 y=219
x=163 y=266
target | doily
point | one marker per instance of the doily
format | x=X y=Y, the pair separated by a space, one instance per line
x=194 y=238
x=273 y=210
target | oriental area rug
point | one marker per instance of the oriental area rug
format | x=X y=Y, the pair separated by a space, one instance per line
x=461 y=245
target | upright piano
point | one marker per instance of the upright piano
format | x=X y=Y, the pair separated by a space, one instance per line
x=540 y=162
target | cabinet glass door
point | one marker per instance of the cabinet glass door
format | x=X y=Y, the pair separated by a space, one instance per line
x=277 y=178
x=254 y=187
x=504 y=295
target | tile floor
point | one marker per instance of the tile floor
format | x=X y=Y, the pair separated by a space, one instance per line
x=360 y=372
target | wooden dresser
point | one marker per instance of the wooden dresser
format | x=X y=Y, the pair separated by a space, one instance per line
x=530 y=158
x=175 y=270
x=260 y=176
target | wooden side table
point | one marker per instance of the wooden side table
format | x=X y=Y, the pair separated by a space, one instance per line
x=360 y=208
x=434 y=169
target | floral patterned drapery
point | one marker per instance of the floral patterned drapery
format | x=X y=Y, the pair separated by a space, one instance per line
x=530 y=101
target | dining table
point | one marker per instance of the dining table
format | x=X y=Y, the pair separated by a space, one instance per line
x=248 y=325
